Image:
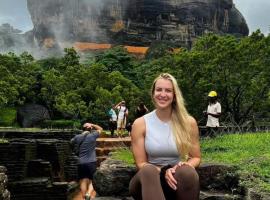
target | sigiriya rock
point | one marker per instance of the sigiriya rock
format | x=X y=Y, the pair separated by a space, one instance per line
x=132 y=22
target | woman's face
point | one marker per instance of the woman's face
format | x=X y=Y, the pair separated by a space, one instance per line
x=163 y=93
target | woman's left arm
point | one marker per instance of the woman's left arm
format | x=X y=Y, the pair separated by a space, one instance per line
x=195 y=152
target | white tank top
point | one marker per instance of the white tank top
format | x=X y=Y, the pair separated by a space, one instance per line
x=160 y=145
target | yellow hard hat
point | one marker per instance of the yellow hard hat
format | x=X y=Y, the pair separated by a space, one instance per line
x=212 y=94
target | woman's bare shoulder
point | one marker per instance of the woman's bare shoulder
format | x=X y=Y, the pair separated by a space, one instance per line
x=139 y=121
x=192 y=121
x=138 y=126
x=194 y=126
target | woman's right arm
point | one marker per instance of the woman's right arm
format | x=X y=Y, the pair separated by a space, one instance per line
x=137 y=142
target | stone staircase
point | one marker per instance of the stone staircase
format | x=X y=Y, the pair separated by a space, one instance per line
x=105 y=145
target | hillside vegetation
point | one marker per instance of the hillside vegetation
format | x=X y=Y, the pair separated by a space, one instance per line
x=237 y=68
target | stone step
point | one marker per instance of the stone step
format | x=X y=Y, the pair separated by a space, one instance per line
x=218 y=195
x=105 y=151
x=114 y=142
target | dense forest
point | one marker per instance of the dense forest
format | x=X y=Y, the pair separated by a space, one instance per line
x=237 y=68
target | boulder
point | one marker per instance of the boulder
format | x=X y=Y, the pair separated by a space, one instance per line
x=30 y=115
x=218 y=177
x=112 y=178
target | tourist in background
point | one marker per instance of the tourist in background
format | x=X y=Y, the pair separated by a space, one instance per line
x=112 y=120
x=213 y=113
x=86 y=142
x=165 y=145
x=121 y=117
x=141 y=110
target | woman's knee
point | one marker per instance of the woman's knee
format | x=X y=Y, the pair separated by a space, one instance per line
x=147 y=175
x=187 y=176
x=148 y=172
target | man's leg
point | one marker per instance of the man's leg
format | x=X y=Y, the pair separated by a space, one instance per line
x=118 y=127
x=91 y=191
x=111 y=128
x=84 y=183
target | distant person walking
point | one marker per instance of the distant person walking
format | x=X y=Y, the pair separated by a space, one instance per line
x=112 y=121
x=86 y=141
x=213 y=113
x=121 y=117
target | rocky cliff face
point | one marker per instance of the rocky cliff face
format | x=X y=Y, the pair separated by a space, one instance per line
x=132 y=22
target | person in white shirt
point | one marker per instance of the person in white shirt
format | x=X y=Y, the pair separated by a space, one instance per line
x=121 y=117
x=213 y=112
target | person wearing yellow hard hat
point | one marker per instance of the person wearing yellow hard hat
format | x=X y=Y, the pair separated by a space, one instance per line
x=213 y=112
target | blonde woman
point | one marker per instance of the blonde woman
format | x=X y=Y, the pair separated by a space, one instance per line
x=166 y=149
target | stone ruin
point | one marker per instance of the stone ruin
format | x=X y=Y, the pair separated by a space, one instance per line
x=41 y=166
x=4 y=193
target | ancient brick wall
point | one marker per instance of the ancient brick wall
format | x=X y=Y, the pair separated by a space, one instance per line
x=38 y=168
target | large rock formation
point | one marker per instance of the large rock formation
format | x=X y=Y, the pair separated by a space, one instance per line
x=30 y=115
x=133 y=22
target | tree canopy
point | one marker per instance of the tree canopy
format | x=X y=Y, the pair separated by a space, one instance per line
x=237 y=68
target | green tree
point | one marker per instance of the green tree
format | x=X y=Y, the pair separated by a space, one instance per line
x=8 y=87
x=71 y=58
x=118 y=59
x=71 y=104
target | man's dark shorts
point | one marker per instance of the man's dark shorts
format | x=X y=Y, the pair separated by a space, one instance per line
x=86 y=170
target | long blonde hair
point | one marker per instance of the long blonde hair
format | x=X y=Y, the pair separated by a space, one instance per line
x=180 y=123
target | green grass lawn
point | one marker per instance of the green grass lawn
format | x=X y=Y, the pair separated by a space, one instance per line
x=250 y=152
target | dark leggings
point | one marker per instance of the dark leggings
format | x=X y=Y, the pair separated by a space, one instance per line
x=148 y=185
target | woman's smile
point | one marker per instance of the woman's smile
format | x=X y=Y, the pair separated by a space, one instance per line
x=163 y=93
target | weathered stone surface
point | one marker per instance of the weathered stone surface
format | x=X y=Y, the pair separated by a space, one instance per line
x=4 y=193
x=39 y=189
x=255 y=195
x=65 y=135
x=215 y=195
x=31 y=114
x=112 y=179
x=218 y=177
x=132 y=22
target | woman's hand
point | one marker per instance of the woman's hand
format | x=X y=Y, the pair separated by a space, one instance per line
x=172 y=182
x=184 y=163
x=170 y=178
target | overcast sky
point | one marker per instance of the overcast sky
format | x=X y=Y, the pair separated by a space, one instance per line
x=256 y=13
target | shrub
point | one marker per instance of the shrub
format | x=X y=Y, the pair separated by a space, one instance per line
x=7 y=116
x=61 y=124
